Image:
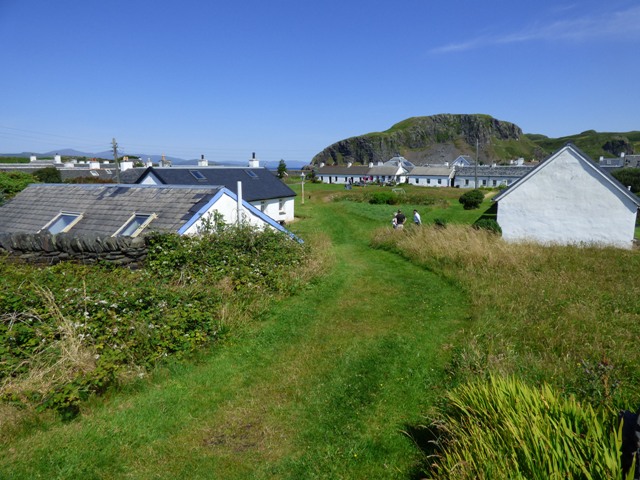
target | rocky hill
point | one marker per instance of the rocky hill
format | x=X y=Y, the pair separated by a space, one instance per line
x=442 y=138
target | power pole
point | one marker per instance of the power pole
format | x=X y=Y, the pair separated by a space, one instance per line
x=476 y=169
x=114 y=144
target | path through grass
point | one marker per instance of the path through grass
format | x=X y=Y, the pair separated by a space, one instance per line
x=323 y=387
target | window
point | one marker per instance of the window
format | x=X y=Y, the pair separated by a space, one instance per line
x=136 y=223
x=197 y=174
x=428 y=181
x=62 y=222
x=281 y=205
x=251 y=173
x=417 y=181
x=439 y=181
x=484 y=182
x=495 y=182
x=263 y=206
x=94 y=173
x=466 y=182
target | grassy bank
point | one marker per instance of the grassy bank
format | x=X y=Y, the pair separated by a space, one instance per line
x=566 y=315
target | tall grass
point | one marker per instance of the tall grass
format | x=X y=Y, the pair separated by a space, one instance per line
x=567 y=315
x=505 y=429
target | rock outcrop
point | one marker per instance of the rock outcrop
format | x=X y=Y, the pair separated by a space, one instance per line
x=433 y=139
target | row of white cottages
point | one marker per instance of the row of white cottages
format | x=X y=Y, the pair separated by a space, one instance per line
x=460 y=173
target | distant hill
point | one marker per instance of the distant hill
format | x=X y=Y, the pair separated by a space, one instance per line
x=442 y=138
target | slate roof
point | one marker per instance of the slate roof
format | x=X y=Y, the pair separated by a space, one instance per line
x=343 y=170
x=257 y=183
x=432 y=170
x=65 y=173
x=387 y=171
x=104 y=207
x=497 y=171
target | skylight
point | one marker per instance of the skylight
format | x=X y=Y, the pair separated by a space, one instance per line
x=63 y=222
x=251 y=173
x=135 y=225
x=197 y=175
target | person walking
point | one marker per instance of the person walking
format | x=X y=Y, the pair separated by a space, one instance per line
x=416 y=218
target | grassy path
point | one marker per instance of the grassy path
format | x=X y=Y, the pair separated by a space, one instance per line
x=322 y=388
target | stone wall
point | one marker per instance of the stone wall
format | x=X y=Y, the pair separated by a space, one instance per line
x=44 y=248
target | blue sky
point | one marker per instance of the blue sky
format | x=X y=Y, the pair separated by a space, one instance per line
x=287 y=78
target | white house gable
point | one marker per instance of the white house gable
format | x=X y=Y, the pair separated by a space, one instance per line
x=568 y=200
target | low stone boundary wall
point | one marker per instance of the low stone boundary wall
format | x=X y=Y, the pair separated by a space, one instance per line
x=44 y=248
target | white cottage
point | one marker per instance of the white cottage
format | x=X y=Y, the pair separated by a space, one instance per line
x=568 y=199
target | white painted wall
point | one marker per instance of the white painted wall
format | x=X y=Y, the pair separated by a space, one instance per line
x=273 y=208
x=567 y=202
x=228 y=207
x=429 y=181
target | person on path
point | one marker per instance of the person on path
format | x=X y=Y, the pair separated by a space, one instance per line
x=416 y=218
x=400 y=218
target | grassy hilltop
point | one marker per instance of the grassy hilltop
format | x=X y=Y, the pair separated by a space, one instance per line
x=442 y=138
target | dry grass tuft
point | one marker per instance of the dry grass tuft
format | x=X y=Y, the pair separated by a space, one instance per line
x=55 y=363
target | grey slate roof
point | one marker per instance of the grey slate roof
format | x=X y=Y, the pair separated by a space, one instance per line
x=432 y=170
x=356 y=170
x=104 y=208
x=257 y=183
x=497 y=171
x=385 y=171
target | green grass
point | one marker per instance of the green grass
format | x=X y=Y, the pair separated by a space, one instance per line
x=322 y=386
x=333 y=381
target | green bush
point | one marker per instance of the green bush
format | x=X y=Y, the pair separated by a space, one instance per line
x=384 y=198
x=12 y=183
x=471 y=199
x=488 y=224
x=440 y=222
x=504 y=428
x=48 y=175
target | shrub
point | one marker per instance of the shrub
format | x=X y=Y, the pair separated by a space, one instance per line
x=440 y=222
x=471 y=199
x=488 y=224
x=383 y=198
x=48 y=175
x=504 y=428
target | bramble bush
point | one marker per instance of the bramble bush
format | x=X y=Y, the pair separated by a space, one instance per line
x=69 y=331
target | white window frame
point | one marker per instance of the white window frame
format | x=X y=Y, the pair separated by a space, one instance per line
x=69 y=226
x=141 y=227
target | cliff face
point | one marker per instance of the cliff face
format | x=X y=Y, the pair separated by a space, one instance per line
x=434 y=139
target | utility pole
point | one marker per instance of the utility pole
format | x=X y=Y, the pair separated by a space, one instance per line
x=475 y=184
x=114 y=144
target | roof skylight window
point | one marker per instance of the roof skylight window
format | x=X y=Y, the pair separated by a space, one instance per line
x=135 y=225
x=197 y=175
x=251 y=173
x=63 y=222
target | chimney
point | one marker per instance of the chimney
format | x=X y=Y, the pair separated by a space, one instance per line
x=57 y=158
x=148 y=163
x=254 y=162
x=349 y=164
x=94 y=165
x=203 y=162
x=239 y=195
x=321 y=164
x=370 y=164
x=33 y=158
x=621 y=154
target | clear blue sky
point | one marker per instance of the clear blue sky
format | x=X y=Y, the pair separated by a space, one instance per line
x=286 y=78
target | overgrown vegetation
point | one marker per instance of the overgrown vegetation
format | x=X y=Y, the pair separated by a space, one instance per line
x=629 y=177
x=504 y=428
x=69 y=331
x=566 y=315
x=12 y=183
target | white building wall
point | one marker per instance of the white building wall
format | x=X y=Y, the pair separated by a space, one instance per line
x=228 y=208
x=281 y=210
x=566 y=202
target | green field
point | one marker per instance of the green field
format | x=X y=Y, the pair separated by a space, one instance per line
x=338 y=379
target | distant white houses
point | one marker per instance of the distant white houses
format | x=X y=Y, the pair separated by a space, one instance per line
x=568 y=199
x=489 y=175
x=460 y=173
x=432 y=176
